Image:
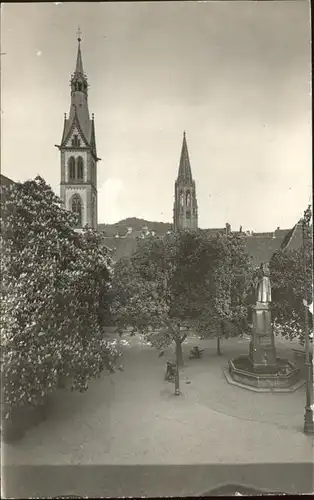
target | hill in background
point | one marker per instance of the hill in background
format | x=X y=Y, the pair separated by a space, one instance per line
x=121 y=228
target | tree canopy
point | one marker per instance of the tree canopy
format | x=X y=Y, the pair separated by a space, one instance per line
x=54 y=286
x=292 y=283
x=186 y=279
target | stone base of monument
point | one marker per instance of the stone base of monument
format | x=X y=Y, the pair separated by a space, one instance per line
x=283 y=377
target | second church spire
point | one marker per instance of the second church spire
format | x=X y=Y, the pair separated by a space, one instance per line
x=185 y=204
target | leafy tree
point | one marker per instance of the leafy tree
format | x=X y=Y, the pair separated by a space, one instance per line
x=221 y=291
x=54 y=282
x=182 y=281
x=291 y=284
x=144 y=294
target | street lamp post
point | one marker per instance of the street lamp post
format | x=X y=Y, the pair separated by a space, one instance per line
x=308 y=416
x=177 y=381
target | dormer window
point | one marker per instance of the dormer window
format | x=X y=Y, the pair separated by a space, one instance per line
x=76 y=142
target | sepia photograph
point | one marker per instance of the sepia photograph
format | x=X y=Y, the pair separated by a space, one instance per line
x=156 y=242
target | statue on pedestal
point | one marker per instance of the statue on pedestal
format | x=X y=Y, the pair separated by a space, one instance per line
x=263 y=288
x=262 y=347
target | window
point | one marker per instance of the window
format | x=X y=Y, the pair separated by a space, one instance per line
x=80 y=173
x=76 y=207
x=76 y=142
x=181 y=201
x=188 y=199
x=71 y=166
x=79 y=86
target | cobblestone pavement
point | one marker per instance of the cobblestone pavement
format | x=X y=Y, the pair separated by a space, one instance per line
x=132 y=417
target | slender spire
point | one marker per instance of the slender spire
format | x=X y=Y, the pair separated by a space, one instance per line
x=79 y=64
x=185 y=174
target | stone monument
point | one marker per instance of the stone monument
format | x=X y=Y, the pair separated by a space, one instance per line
x=261 y=369
x=262 y=351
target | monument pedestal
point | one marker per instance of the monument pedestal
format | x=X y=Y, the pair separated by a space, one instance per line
x=260 y=369
x=262 y=346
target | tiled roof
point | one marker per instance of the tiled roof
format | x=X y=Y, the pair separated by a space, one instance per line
x=122 y=247
x=269 y=234
x=261 y=249
x=215 y=231
x=293 y=239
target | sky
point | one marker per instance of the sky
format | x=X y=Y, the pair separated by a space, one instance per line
x=236 y=75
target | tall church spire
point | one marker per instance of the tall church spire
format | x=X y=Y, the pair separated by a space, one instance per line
x=185 y=174
x=78 y=151
x=79 y=64
x=185 y=215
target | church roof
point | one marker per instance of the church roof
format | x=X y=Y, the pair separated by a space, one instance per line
x=185 y=173
x=259 y=246
x=261 y=249
x=293 y=238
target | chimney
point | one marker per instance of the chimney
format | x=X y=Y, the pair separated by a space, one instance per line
x=228 y=228
x=240 y=229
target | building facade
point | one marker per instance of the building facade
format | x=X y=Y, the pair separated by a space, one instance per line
x=78 y=187
x=185 y=211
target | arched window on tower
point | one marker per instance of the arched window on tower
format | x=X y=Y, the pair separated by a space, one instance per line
x=188 y=200
x=76 y=207
x=80 y=168
x=181 y=201
x=71 y=167
x=79 y=86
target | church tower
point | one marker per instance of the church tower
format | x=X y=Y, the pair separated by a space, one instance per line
x=185 y=214
x=78 y=189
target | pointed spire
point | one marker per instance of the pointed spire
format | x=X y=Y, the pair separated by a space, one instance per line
x=185 y=173
x=79 y=64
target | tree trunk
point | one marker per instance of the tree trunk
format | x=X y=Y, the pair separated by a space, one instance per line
x=179 y=354
x=218 y=344
x=219 y=336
